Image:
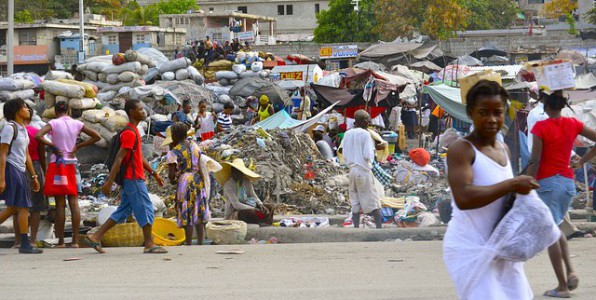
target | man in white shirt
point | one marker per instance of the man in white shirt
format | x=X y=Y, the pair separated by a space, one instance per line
x=359 y=154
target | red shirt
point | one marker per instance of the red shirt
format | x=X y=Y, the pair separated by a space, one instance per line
x=127 y=141
x=558 y=136
x=33 y=143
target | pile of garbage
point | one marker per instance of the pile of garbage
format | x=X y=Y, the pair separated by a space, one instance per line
x=79 y=96
x=180 y=69
x=116 y=74
x=294 y=175
x=16 y=87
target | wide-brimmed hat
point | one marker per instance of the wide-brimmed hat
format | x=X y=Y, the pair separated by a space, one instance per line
x=224 y=174
x=168 y=140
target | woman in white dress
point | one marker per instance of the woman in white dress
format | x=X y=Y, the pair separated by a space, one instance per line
x=481 y=178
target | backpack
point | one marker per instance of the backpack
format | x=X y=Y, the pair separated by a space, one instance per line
x=14 y=136
x=113 y=153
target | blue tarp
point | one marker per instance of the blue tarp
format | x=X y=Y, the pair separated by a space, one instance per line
x=281 y=120
x=449 y=99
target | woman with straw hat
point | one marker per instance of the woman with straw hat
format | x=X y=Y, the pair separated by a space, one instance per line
x=242 y=202
x=189 y=170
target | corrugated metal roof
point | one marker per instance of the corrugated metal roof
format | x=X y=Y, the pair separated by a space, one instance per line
x=511 y=70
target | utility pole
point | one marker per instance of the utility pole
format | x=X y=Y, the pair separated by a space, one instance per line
x=356 y=4
x=10 y=42
x=81 y=56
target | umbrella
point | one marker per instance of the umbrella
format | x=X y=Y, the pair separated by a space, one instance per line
x=425 y=66
x=575 y=57
x=254 y=86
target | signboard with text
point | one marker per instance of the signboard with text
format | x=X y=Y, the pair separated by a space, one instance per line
x=344 y=51
x=291 y=76
x=30 y=55
x=246 y=36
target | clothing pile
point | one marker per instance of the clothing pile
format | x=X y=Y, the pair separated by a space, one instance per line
x=292 y=169
x=117 y=73
x=79 y=96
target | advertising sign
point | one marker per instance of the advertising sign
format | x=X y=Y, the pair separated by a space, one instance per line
x=291 y=76
x=31 y=55
x=246 y=36
x=344 y=51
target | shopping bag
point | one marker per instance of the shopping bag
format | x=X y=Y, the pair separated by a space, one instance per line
x=61 y=180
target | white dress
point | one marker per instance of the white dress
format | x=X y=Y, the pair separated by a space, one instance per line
x=467 y=236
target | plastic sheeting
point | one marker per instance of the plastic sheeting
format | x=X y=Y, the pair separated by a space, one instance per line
x=449 y=99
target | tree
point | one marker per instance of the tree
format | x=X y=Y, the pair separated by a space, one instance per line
x=491 y=14
x=591 y=15
x=557 y=8
x=176 y=6
x=340 y=23
x=439 y=19
x=23 y=17
x=112 y=9
x=134 y=15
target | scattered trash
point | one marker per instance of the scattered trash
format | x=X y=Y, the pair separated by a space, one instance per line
x=230 y=252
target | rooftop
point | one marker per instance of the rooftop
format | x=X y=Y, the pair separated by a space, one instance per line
x=221 y=14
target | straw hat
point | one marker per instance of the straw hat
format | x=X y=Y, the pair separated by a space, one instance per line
x=169 y=139
x=224 y=174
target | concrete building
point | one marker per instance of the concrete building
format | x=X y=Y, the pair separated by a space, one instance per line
x=296 y=19
x=534 y=8
x=120 y=39
x=222 y=26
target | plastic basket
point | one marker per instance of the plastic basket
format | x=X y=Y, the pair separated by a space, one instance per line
x=166 y=233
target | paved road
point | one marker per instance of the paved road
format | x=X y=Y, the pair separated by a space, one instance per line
x=379 y=270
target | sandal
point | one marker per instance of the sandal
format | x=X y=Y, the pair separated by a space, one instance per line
x=155 y=250
x=95 y=245
x=556 y=294
x=572 y=283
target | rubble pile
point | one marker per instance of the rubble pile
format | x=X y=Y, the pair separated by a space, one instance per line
x=294 y=175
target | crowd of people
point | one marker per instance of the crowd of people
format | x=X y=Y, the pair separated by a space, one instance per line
x=209 y=51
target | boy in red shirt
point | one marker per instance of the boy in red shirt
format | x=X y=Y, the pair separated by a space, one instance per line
x=135 y=197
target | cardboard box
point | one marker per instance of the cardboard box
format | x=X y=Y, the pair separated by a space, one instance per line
x=466 y=83
x=554 y=75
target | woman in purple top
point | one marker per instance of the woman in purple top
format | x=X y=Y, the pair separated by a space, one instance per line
x=64 y=132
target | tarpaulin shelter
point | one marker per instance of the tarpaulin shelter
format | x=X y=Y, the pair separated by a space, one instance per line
x=401 y=53
x=488 y=51
x=466 y=60
x=425 y=66
x=369 y=65
x=254 y=86
x=449 y=99
x=283 y=120
x=351 y=100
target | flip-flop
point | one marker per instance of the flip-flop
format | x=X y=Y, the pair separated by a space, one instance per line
x=556 y=294
x=96 y=246
x=572 y=283
x=155 y=250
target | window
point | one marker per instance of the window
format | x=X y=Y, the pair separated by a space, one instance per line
x=281 y=10
x=27 y=37
x=289 y=10
x=211 y=9
x=243 y=9
x=317 y=8
x=140 y=39
x=187 y=21
x=112 y=39
x=177 y=21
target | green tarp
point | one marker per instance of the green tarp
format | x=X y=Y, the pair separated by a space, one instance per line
x=449 y=99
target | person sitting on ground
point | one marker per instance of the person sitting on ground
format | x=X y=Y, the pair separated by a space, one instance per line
x=224 y=118
x=359 y=153
x=205 y=122
x=265 y=110
x=187 y=172
x=14 y=162
x=40 y=203
x=320 y=129
x=64 y=132
x=322 y=145
x=242 y=203
x=134 y=196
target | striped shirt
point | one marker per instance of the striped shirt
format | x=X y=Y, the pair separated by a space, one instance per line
x=224 y=120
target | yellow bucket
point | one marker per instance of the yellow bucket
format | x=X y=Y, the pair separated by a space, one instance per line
x=166 y=233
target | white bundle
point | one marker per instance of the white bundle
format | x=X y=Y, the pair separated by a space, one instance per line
x=62 y=99
x=239 y=68
x=257 y=66
x=134 y=67
x=112 y=78
x=168 y=76
x=144 y=70
x=224 y=82
x=95 y=115
x=55 y=75
x=94 y=66
x=127 y=76
x=9 y=84
x=115 y=122
x=90 y=75
x=171 y=66
x=63 y=89
x=193 y=72
x=159 y=118
x=84 y=103
x=50 y=99
x=225 y=75
x=121 y=113
x=182 y=74
x=103 y=77
x=14 y=95
x=249 y=74
x=117 y=87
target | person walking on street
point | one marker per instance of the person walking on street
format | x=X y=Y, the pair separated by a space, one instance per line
x=14 y=162
x=64 y=131
x=359 y=155
x=481 y=178
x=552 y=143
x=135 y=196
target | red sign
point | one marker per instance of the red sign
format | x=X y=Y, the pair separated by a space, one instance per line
x=291 y=75
x=31 y=55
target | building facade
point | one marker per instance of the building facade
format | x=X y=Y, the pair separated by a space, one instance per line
x=295 y=19
x=120 y=39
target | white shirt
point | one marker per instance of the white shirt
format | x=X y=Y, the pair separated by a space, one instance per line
x=536 y=115
x=207 y=123
x=358 y=149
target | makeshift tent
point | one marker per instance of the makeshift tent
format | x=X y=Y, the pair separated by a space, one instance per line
x=425 y=66
x=449 y=99
x=401 y=52
x=254 y=86
x=585 y=81
x=466 y=60
x=283 y=120
x=488 y=51
x=574 y=56
x=369 y=65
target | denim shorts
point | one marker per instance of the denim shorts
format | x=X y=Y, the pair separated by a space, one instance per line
x=135 y=199
x=557 y=192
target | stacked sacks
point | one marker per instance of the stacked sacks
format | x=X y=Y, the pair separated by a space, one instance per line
x=79 y=96
x=179 y=69
x=123 y=72
x=11 y=88
x=214 y=67
x=240 y=71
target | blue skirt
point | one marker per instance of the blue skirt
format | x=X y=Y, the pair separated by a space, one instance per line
x=17 y=189
x=557 y=192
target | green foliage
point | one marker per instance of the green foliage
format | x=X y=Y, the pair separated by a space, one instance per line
x=591 y=15
x=176 y=6
x=490 y=14
x=23 y=17
x=571 y=22
x=340 y=23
